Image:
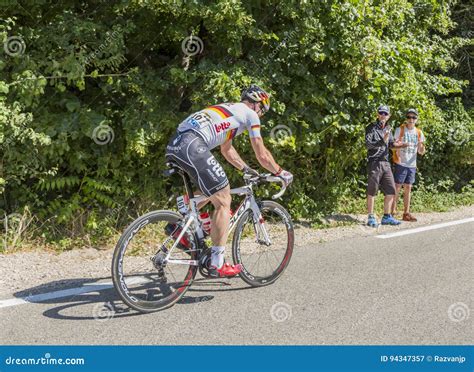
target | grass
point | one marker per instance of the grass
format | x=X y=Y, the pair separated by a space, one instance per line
x=423 y=200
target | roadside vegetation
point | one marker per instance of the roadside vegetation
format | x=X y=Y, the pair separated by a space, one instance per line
x=90 y=93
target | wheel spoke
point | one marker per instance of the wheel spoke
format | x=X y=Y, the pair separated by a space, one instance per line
x=262 y=261
x=142 y=241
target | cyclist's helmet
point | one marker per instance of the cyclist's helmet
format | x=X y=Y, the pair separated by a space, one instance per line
x=256 y=94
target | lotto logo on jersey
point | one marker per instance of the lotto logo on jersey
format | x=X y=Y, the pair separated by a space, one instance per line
x=216 y=167
x=222 y=126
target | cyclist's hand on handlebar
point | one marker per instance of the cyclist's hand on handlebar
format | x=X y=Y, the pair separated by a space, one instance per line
x=286 y=176
x=250 y=171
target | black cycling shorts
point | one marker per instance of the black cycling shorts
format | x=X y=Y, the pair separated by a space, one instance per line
x=192 y=154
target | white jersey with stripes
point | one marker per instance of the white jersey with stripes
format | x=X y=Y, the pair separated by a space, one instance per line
x=220 y=123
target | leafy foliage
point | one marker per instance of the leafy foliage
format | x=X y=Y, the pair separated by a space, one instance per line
x=121 y=66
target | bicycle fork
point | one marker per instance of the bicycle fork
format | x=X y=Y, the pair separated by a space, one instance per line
x=261 y=233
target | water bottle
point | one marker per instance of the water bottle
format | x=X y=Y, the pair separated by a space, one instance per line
x=205 y=219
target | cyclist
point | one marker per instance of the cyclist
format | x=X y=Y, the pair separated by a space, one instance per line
x=191 y=148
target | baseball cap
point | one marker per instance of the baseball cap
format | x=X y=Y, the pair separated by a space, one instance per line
x=384 y=108
x=412 y=111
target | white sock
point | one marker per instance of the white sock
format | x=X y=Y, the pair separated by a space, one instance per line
x=217 y=256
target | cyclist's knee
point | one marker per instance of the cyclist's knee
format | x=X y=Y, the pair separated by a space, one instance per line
x=222 y=198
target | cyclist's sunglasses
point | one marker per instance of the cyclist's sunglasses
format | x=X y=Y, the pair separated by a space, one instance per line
x=412 y=117
x=261 y=107
x=383 y=113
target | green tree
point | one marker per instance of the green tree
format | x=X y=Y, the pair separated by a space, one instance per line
x=90 y=93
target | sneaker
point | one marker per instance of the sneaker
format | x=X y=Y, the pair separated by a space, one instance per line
x=172 y=228
x=226 y=271
x=409 y=217
x=372 y=221
x=389 y=220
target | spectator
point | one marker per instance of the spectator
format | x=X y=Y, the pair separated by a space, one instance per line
x=378 y=139
x=405 y=161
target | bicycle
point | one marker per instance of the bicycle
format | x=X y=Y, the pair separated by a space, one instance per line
x=147 y=278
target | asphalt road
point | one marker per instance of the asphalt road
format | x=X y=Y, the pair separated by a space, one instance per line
x=413 y=289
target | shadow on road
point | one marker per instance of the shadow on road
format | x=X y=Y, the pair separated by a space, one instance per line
x=106 y=301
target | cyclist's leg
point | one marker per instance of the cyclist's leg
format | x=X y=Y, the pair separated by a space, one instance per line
x=220 y=225
x=219 y=232
x=193 y=155
x=204 y=202
x=220 y=221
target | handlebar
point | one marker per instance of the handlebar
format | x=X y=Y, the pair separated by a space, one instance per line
x=267 y=178
x=279 y=180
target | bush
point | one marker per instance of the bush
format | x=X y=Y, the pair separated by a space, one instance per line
x=91 y=92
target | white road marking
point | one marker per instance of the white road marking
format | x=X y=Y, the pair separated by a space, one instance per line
x=86 y=288
x=52 y=295
x=424 y=228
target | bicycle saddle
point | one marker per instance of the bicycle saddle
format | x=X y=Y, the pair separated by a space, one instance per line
x=172 y=168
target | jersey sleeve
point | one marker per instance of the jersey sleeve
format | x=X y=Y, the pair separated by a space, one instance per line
x=253 y=124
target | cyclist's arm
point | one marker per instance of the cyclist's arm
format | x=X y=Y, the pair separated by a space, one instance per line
x=264 y=157
x=232 y=156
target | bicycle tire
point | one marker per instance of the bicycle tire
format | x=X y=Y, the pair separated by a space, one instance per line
x=245 y=274
x=117 y=264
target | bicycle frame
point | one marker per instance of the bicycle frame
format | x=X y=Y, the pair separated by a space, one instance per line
x=191 y=219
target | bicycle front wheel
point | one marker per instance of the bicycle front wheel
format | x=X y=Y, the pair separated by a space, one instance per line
x=141 y=281
x=263 y=258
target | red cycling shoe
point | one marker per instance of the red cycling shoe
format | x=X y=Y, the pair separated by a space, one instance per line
x=226 y=271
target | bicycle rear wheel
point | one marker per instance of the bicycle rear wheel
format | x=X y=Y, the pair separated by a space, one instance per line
x=140 y=280
x=263 y=264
